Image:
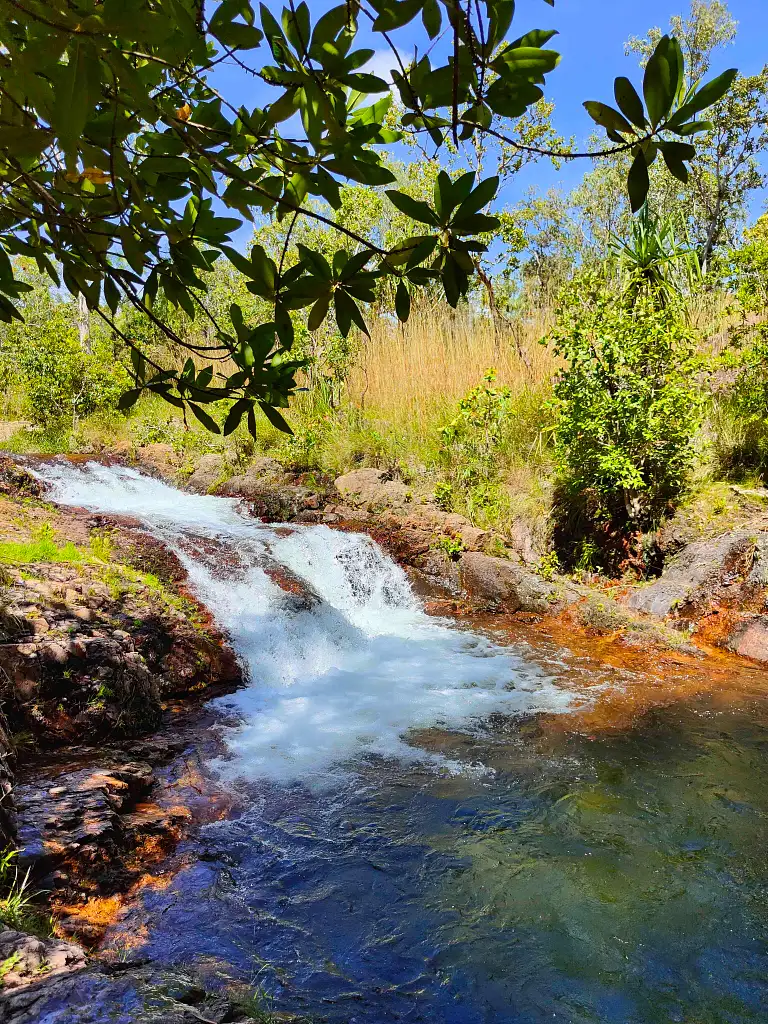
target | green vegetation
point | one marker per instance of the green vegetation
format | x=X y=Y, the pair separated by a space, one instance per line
x=18 y=909
x=565 y=370
x=627 y=403
x=119 y=153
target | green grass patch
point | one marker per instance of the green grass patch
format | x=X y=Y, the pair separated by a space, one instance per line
x=42 y=550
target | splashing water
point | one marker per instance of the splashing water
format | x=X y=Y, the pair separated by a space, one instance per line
x=346 y=674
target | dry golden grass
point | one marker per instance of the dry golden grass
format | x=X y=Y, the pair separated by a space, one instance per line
x=415 y=372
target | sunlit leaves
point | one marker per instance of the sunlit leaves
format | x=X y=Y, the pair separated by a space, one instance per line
x=667 y=106
x=127 y=175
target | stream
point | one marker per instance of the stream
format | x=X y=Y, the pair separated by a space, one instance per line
x=422 y=830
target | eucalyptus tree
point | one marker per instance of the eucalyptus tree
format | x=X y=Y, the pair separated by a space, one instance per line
x=126 y=169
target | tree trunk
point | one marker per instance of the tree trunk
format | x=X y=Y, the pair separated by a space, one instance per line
x=84 y=323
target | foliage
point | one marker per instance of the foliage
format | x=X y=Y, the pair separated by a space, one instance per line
x=469 y=444
x=658 y=268
x=126 y=172
x=627 y=403
x=727 y=169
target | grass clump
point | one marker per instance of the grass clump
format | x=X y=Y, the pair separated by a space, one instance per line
x=17 y=902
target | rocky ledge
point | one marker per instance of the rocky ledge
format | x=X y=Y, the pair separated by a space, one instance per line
x=100 y=645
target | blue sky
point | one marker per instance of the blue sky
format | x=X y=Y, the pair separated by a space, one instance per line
x=591 y=41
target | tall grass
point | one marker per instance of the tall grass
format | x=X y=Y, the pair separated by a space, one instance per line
x=412 y=374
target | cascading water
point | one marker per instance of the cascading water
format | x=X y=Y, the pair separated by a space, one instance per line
x=332 y=680
x=527 y=874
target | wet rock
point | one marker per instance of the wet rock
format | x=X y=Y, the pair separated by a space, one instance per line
x=210 y=472
x=498 y=583
x=80 y=819
x=18 y=482
x=372 y=489
x=27 y=959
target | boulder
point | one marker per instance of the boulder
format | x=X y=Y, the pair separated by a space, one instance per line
x=702 y=574
x=159 y=460
x=261 y=475
x=372 y=489
x=750 y=637
x=26 y=959
x=210 y=471
x=496 y=583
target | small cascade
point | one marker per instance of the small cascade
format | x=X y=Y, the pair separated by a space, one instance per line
x=347 y=675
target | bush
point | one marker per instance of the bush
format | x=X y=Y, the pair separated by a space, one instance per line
x=63 y=382
x=627 y=403
x=740 y=418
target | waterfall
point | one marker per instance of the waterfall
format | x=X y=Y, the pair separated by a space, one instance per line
x=348 y=674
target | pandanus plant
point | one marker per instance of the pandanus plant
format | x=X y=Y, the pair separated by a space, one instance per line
x=655 y=263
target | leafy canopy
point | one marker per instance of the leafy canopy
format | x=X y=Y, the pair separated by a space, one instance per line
x=126 y=171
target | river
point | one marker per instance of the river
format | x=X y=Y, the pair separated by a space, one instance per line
x=429 y=825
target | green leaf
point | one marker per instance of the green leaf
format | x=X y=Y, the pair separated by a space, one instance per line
x=275 y=418
x=205 y=418
x=706 y=96
x=629 y=102
x=402 y=302
x=413 y=208
x=658 y=86
x=638 y=182
x=76 y=89
x=609 y=118
x=235 y=415
x=478 y=198
x=432 y=18
x=675 y=153
x=129 y=399
x=318 y=312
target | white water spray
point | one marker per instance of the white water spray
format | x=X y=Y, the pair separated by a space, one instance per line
x=346 y=675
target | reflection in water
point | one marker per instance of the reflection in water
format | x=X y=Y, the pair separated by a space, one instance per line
x=607 y=865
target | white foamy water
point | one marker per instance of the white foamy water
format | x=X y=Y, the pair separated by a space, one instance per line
x=342 y=677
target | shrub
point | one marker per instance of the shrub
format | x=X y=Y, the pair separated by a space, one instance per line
x=62 y=381
x=627 y=403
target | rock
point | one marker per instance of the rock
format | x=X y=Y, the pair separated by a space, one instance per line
x=498 y=583
x=16 y=481
x=372 y=489
x=473 y=538
x=261 y=475
x=750 y=638
x=27 y=959
x=81 y=820
x=692 y=581
x=7 y=806
x=159 y=460
x=210 y=472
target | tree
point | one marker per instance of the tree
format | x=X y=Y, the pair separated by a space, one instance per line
x=727 y=169
x=126 y=171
